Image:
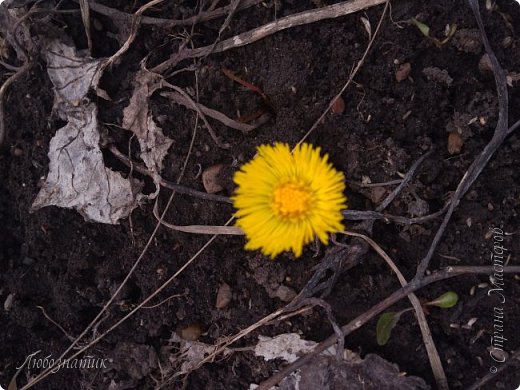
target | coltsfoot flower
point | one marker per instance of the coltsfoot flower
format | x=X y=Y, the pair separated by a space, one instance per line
x=285 y=200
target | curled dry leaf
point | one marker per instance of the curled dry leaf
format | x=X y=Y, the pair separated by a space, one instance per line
x=191 y=354
x=77 y=175
x=138 y=119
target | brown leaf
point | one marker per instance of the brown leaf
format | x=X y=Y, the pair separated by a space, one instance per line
x=338 y=107
x=455 y=143
x=403 y=72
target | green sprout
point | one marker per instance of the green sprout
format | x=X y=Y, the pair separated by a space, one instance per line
x=387 y=321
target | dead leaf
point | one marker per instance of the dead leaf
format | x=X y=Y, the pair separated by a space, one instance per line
x=191 y=354
x=77 y=175
x=286 y=346
x=403 y=72
x=138 y=119
x=455 y=143
x=210 y=179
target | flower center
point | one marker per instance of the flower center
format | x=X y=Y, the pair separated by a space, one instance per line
x=291 y=200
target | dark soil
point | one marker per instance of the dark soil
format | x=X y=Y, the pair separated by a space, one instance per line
x=54 y=259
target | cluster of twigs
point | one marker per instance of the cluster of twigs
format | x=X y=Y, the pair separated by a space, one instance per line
x=338 y=259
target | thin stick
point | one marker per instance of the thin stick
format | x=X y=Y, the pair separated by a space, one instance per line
x=136 y=20
x=243 y=127
x=55 y=323
x=362 y=319
x=306 y=17
x=85 y=16
x=196 y=107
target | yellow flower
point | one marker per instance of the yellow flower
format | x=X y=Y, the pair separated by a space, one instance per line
x=285 y=200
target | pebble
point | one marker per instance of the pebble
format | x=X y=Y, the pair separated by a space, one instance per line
x=403 y=72
x=223 y=296
x=191 y=332
x=210 y=179
x=284 y=293
x=8 y=303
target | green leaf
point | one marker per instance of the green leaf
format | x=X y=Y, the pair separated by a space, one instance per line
x=425 y=29
x=446 y=300
x=385 y=324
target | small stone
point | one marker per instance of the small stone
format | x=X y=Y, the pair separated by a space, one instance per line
x=403 y=72
x=440 y=76
x=472 y=195
x=377 y=194
x=191 y=332
x=284 y=293
x=27 y=261
x=17 y=152
x=210 y=179
x=506 y=43
x=338 y=107
x=8 y=303
x=455 y=143
x=484 y=65
x=223 y=296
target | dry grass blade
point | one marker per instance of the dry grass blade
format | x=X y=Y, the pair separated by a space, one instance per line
x=243 y=127
x=136 y=20
x=196 y=107
x=200 y=229
x=85 y=16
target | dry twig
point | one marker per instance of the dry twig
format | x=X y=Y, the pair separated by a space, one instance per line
x=306 y=17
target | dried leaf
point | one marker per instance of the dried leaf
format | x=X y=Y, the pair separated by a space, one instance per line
x=138 y=119
x=287 y=346
x=77 y=175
